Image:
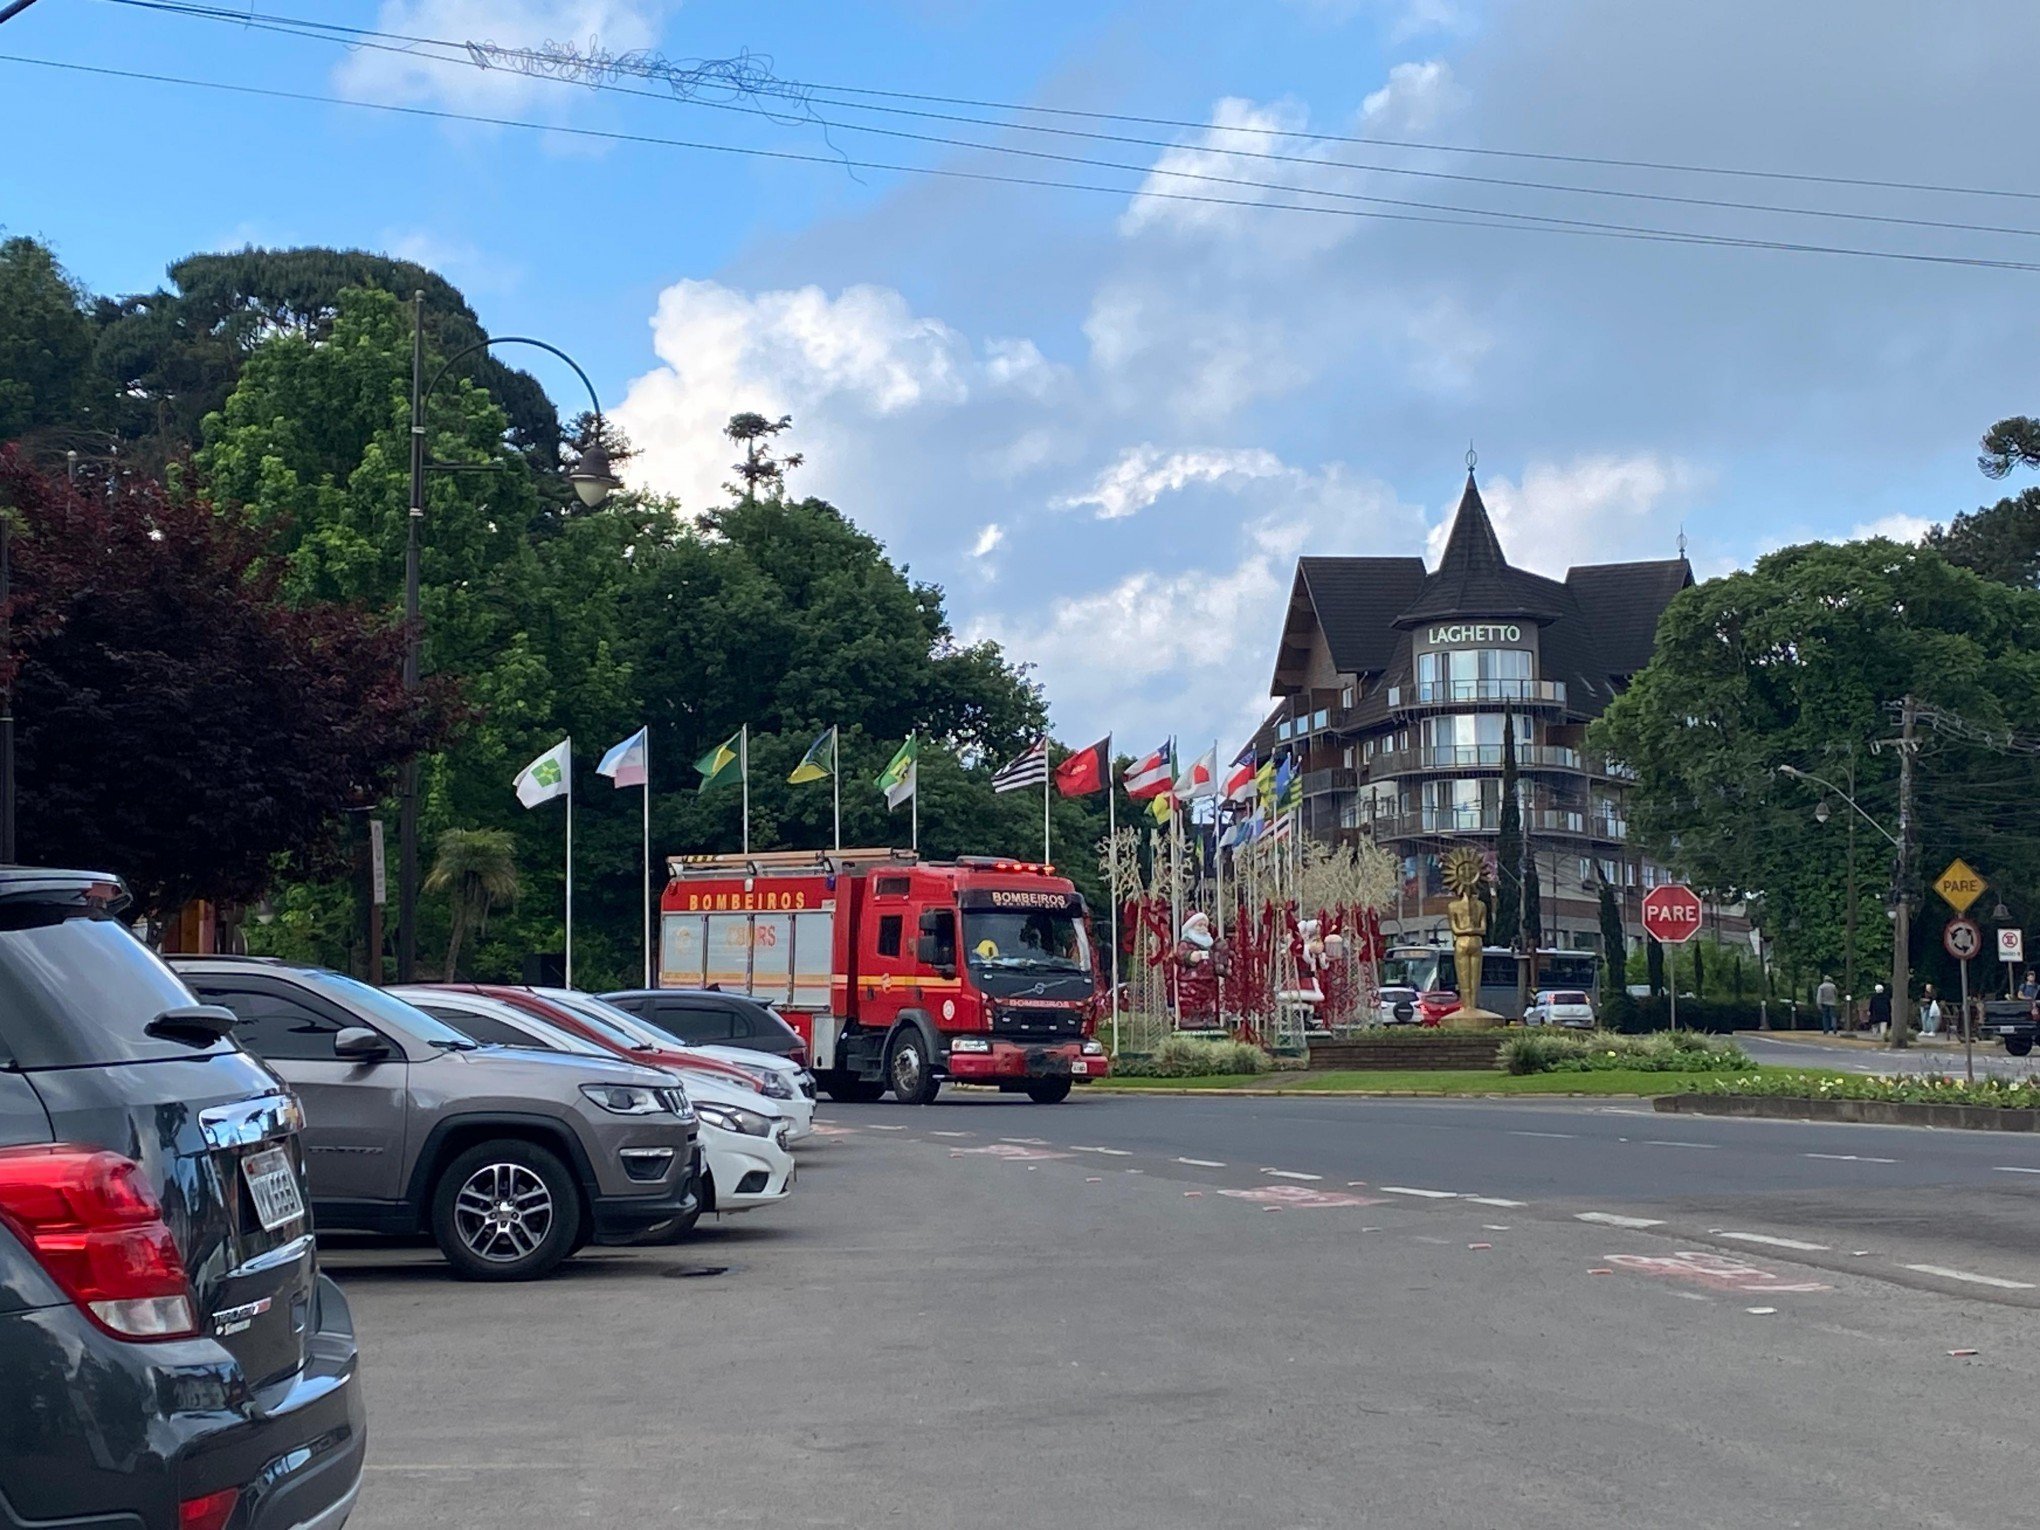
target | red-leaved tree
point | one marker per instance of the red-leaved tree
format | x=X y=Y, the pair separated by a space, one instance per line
x=177 y=722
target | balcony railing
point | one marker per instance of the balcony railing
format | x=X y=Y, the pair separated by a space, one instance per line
x=1316 y=783
x=1451 y=757
x=1448 y=693
x=1564 y=822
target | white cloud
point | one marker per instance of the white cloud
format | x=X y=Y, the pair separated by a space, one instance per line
x=614 y=26
x=470 y=267
x=987 y=540
x=1599 y=508
x=1897 y=526
x=1143 y=474
x=1406 y=18
x=1416 y=99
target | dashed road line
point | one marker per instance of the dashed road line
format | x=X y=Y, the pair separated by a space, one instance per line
x=1610 y=1219
x=1027 y=1141
x=1667 y=1142
x=1856 y=1158
x=949 y=1134
x=1973 y=1278
x=1108 y=1152
x=1770 y=1242
x=1202 y=1163
x=1495 y=1200
x=1289 y=1174
x=1568 y=1136
x=2012 y=1168
x=1429 y=1195
x=878 y=1128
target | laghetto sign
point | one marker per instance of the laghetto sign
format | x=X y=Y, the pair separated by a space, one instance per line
x=1454 y=634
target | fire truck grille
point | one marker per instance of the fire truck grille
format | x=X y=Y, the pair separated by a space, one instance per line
x=1037 y=1024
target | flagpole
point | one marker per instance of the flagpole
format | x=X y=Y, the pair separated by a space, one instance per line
x=1046 y=858
x=836 y=778
x=915 y=766
x=1175 y=877
x=744 y=770
x=1112 y=867
x=651 y=930
x=570 y=862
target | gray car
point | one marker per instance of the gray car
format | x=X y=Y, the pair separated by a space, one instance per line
x=512 y=1160
x=170 y=1355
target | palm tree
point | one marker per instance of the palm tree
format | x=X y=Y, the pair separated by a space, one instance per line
x=479 y=868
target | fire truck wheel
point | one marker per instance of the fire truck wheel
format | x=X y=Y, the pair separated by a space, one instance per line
x=1051 y=1091
x=906 y=1069
x=856 y=1091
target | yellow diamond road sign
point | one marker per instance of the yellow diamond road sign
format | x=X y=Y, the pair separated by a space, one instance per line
x=1959 y=886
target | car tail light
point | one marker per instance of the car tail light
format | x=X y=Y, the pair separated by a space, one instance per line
x=210 y=1512
x=97 y=1229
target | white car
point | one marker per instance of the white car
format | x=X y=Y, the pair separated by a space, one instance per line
x=1396 y=1006
x=744 y=1157
x=1561 y=1006
x=789 y=1085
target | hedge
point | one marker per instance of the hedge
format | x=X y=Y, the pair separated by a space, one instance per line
x=1637 y=1017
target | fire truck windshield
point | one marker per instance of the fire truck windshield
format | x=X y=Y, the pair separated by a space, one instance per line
x=1035 y=941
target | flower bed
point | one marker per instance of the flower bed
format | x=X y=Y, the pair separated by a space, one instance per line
x=1926 y=1089
x=1194 y=1057
x=1554 y=1051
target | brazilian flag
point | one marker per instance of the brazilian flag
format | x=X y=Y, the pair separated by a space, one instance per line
x=724 y=764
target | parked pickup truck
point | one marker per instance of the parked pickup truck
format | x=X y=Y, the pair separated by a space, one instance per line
x=2015 y=1022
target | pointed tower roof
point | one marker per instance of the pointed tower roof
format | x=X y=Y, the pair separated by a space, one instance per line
x=1472 y=577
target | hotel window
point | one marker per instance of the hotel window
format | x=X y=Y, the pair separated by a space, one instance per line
x=1346 y=698
x=1452 y=674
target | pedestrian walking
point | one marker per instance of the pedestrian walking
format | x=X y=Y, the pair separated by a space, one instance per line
x=2030 y=989
x=1826 y=997
x=1880 y=1011
x=1930 y=1012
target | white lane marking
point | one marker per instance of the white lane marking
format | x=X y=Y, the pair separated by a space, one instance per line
x=1027 y=1141
x=1429 y=1195
x=1610 y=1219
x=1495 y=1200
x=1109 y=1152
x=949 y=1134
x=1619 y=1110
x=1667 y=1142
x=1202 y=1163
x=1566 y=1135
x=1973 y=1279
x=2012 y=1168
x=1289 y=1174
x=1771 y=1242
x=1856 y=1158
x=874 y=1126
x=1691 y=1296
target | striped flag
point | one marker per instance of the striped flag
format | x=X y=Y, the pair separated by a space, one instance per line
x=1238 y=785
x=1030 y=769
x=625 y=764
x=1152 y=776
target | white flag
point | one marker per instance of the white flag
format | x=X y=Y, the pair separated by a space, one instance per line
x=547 y=777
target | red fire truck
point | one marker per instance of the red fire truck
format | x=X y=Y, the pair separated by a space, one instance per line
x=897 y=972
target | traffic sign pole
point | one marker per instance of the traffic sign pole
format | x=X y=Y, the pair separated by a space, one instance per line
x=1968 y=1040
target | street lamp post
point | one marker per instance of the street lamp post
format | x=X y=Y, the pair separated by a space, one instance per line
x=593 y=481
x=1901 y=907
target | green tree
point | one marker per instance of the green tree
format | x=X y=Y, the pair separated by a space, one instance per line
x=1509 y=886
x=477 y=869
x=1614 y=945
x=49 y=395
x=1654 y=965
x=1699 y=969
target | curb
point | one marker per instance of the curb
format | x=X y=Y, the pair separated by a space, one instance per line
x=1363 y=1094
x=1976 y=1118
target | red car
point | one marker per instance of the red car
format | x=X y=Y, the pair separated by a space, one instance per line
x=610 y=1040
x=1434 y=1006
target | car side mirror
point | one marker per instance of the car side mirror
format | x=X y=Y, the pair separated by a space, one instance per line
x=360 y=1043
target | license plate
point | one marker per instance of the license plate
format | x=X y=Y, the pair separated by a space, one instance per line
x=1079 y=1066
x=273 y=1183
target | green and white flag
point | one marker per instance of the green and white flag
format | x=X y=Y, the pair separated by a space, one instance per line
x=547 y=777
x=899 y=779
x=724 y=765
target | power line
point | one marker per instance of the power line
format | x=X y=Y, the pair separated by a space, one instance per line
x=596 y=70
x=1479 y=218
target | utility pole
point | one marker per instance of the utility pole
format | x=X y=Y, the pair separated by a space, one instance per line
x=407 y=829
x=1901 y=887
x=1849 y=927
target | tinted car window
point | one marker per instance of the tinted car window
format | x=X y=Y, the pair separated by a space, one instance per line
x=486 y=1028
x=694 y=1022
x=275 y=1025
x=381 y=1008
x=80 y=990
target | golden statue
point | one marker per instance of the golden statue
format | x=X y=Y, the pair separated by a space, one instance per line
x=1468 y=915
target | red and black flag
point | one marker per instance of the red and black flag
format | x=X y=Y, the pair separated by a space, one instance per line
x=1086 y=771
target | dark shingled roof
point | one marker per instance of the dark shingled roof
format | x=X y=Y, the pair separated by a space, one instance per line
x=1597 y=628
x=1626 y=600
x=1473 y=576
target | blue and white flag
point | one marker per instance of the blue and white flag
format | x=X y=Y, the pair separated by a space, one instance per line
x=625 y=764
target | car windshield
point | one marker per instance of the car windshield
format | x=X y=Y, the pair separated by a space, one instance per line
x=387 y=1009
x=617 y=1025
x=1409 y=970
x=1034 y=941
x=1569 y=998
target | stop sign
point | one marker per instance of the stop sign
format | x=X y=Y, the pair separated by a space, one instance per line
x=1671 y=913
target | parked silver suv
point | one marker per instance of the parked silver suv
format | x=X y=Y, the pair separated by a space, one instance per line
x=511 y=1159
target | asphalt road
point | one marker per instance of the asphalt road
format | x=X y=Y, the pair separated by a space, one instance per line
x=1785 y=1052
x=986 y=1313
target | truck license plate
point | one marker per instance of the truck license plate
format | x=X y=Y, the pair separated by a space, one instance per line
x=273 y=1184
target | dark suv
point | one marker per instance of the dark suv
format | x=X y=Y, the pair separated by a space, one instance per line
x=170 y=1356
x=512 y=1160
x=707 y=1017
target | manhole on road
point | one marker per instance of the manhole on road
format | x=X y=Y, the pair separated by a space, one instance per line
x=694 y=1271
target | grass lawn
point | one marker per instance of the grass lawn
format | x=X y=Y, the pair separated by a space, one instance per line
x=1444 y=1081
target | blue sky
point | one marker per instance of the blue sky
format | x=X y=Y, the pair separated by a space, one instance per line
x=1107 y=423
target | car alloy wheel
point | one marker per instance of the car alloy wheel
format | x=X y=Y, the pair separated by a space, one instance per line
x=503 y=1212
